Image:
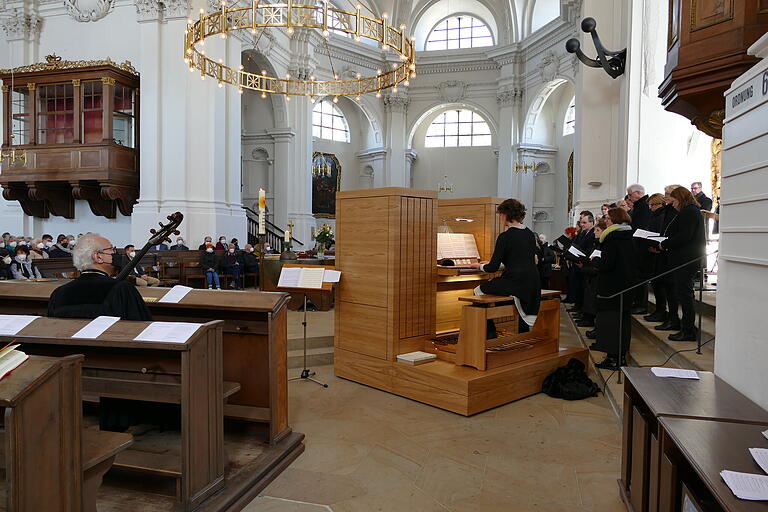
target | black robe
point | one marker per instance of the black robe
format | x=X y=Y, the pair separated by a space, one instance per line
x=516 y=249
x=93 y=294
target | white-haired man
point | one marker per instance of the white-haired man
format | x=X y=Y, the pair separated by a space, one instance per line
x=95 y=293
x=641 y=219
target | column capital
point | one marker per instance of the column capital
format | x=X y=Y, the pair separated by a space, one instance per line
x=21 y=26
x=509 y=96
x=396 y=103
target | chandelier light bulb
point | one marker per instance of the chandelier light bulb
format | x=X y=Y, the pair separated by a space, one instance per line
x=402 y=27
x=202 y=42
x=240 y=90
x=406 y=83
x=287 y=98
x=358 y=97
x=335 y=99
x=189 y=21
x=220 y=85
x=263 y=95
x=385 y=48
x=221 y=60
x=242 y=67
x=264 y=72
x=384 y=15
x=394 y=65
x=223 y=35
x=290 y=30
x=253 y=31
x=311 y=99
x=312 y=77
x=202 y=52
x=186 y=60
x=326 y=33
x=378 y=71
x=394 y=89
x=202 y=11
x=202 y=77
x=413 y=74
x=189 y=51
x=335 y=77
x=287 y=76
x=357 y=39
x=191 y=69
x=358 y=75
x=359 y=6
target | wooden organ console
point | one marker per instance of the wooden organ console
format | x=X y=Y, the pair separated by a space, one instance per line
x=395 y=299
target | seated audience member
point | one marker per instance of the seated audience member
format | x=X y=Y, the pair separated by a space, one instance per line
x=159 y=247
x=22 y=266
x=205 y=243
x=222 y=244
x=71 y=240
x=37 y=250
x=250 y=261
x=616 y=272
x=48 y=241
x=705 y=203
x=10 y=244
x=6 y=237
x=210 y=265
x=5 y=264
x=604 y=210
x=686 y=242
x=61 y=248
x=233 y=265
x=138 y=272
x=236 y=244
x=179 y=245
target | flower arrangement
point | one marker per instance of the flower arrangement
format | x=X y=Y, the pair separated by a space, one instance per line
x=324 y=236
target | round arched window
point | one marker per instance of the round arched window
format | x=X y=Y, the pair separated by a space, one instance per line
x=458 y=128
x=462 y=31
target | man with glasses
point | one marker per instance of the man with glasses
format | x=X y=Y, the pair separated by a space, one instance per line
x=705 y=203
x=95 y=293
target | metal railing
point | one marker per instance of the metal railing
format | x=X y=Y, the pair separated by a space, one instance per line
x=275 y=236
x=645 y=282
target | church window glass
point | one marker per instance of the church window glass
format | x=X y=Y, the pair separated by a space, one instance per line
x=459 y=32
x=329 y=123
x=458 y=128
x=569 y=125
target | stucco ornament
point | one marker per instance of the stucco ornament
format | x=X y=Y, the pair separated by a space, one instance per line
x=549 y=66
x=88 y=10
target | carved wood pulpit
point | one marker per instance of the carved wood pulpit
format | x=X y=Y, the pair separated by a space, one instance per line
x=707 y=50
x=78 y=124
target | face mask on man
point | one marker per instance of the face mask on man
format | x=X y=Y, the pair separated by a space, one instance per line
x=49 y=244
x=13 y=244
x=72 y=243
x=223 y=240
x=41 y=245
x=7 y=260
x=250 y=249
x=210 y=249
x=132 y=254
x=179 y=242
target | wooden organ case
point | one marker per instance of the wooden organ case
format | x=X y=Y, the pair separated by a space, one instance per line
x=77 y=125
x=393 y=299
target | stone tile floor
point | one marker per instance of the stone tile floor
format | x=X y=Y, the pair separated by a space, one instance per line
x=367 y=450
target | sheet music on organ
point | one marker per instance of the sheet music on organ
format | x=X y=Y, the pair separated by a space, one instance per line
x=456 y=246
x=301 y=277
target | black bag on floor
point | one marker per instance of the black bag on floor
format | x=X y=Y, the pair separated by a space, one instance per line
x=570 y=382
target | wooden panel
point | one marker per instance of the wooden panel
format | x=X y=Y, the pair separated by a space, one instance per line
x=278 y=355
x=626 y=441
x=762 y=7
x=638 y=484
x=90 y=158
x=482 y=210
x=365 y=334
x=706 y=13
x=668 y=485
x=653 y=482
x=448 y=305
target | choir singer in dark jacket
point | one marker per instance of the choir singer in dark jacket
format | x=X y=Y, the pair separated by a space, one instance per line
x=516 y=250
x=685 y=243
x=617 y=271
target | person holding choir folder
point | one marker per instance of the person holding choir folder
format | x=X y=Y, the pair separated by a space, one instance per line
x=516 y=250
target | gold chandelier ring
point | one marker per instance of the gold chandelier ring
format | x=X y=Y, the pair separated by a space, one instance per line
x=290 y=16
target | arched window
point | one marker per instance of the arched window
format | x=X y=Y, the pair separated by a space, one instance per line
x=569 y=125
x=458 y=128
x=460 y=31
x=329 y=123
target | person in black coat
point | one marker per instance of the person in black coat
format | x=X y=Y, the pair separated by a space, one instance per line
x=590 y=270
x=585 y=242
x=61 y=248
x=616 y=272
x=516 y=249
x=661 y=214
x=641 y=218
x=179 y=245
x=211 y=266
x=546 y=258
x=233 y=265
x=251 y=262
x=686 y=242
x=705 y=203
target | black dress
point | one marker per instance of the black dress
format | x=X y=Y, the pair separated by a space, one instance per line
x=516 y=249
x=93 y=294
x=616 y=272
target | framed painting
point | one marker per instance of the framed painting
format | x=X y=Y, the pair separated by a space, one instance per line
x=326 y=181
x=705 y=13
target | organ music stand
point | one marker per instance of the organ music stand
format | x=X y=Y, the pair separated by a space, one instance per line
x=306 y=373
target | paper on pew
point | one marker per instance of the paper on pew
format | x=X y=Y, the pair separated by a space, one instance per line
x=332 y=276
x=675 y=372
x=746 y=485
x=96 y=327
x=641 y=233
x=175 y=294
x=12 y=324
x=168 y=332
x=761 y=457
x=573 y=250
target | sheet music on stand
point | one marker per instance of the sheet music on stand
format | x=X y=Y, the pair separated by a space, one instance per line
x=457 y=246
x=301 y=277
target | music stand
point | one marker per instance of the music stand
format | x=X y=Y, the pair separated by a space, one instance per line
x=306 y=373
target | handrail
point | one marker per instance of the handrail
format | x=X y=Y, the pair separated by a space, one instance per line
x=648 y=281
x=279 y=231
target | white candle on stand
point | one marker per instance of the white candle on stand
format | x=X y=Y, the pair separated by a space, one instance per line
x=288 y=234
x=262 y=212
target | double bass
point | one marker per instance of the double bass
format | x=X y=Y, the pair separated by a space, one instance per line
x=158 y=236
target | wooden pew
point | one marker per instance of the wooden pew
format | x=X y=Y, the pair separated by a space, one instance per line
x=188 y=374
x=254 y=341
x=50 y=463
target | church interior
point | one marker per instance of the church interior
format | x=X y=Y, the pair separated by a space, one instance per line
x=390 y=255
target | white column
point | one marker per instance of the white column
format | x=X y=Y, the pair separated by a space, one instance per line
x=299 y=197
x=283 y=162
x=509 y=100
x=396 y=172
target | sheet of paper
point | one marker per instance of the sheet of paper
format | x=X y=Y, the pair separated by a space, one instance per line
x=96 y=327
x=761 y=457
x=311 y=277
x=456 y=245
x=168 y=332
x=765 y=433
x=175 y=294
x=12 y=324
x=573 y=250
x=596 y=254
x=746 y=485
x=332 y=276
x=641 y=233
x=289 y=277
x=674 y=372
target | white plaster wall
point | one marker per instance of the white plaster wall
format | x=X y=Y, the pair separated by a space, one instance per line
x=741 y=351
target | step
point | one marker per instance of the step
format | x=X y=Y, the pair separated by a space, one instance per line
x=312 y=342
